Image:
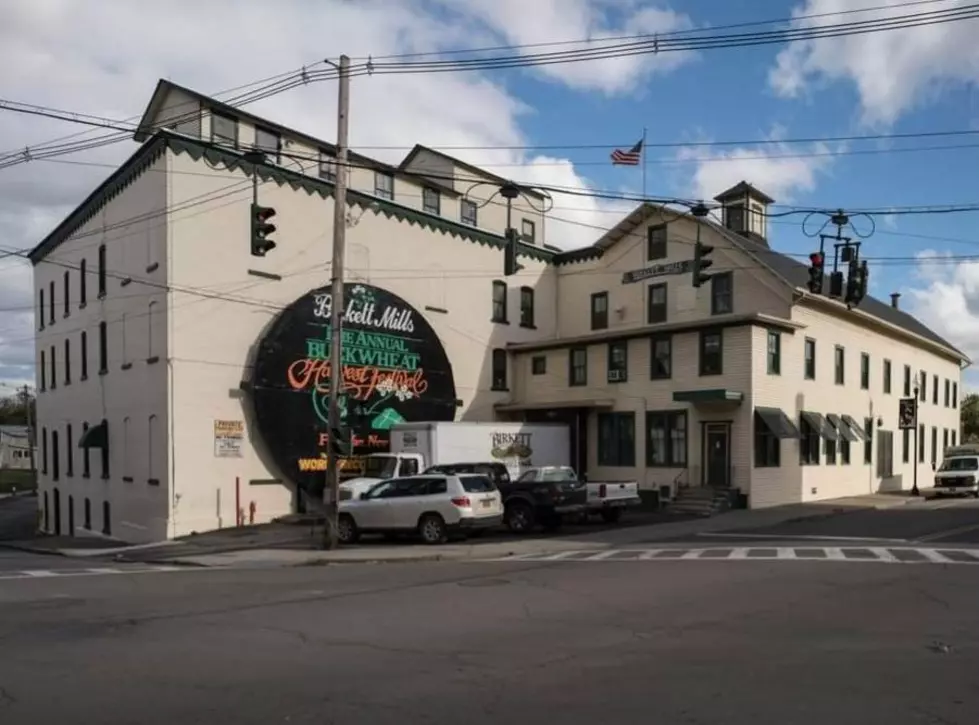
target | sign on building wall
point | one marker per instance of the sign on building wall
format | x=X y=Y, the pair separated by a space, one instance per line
x=656 y=270
x=395 y=370
x=229 y=435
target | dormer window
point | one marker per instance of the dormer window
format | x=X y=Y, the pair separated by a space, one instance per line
x=224 y=130
x=734 y=218
x=268 y=142
x=528 y=231
x=431 y=201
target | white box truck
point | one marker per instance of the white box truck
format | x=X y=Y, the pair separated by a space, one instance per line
x=416 y=446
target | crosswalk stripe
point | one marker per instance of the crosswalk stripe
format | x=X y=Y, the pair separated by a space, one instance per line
x=90 y=571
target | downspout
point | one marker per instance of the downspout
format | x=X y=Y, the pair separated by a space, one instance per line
x=172 y=513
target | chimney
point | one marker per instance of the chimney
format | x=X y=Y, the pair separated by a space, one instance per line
x=895 y=296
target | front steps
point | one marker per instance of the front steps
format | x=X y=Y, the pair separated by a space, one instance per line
x=697 y=501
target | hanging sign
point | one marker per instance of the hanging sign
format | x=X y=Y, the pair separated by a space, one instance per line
x=657 y=270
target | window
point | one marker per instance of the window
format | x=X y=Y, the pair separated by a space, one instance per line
x=948 y=392
x=944 y=439
x=40 y=309
x=617 y=439
x=840 y=365
x=660 y=357
x=103 y=348
x=921 y=443
x=618 y=361
x=82 y=282
x=722 y=293
x=666 y=439
x=528 y=231
x=526 y=307
x=735 y=217
x=810 y=359
x=934 y=445
x=538 y=365
x=66 y=292
x=151 y=323
x=809 y=443
x=84 y=355
x=467 y=212
x=955 y=395
x=151 y=443
x=69 y=451
x=906 y=445
x=923 y=387
x=887 y=377
x=53 y=360
x=126 y=447
x=88 y=514
x=599 y=311
x=224 y=129
x=578 y=366
x=499 y=381
x=656 y=242
x=768 y=446
x=55 y=456
x=106 y=518
x=44 y=450
x=907 y=381
x=864 y=371
x=656 y=304
x=885 y=454
x=774 y=353
x=868 y=444
x=830 y=446
x=268 y=142
x=102 y=270
x=86 y=458
x=67 y=361
x=844 y=451
x=953 y=437
x=328 y=167
x=431 y=200
x=104 y=450
x=51 y=303
x=711 y=352
x=43 y=371
x=499 y=301
x=383 y=185
x=934 y=389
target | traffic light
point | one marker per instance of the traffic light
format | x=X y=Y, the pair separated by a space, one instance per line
x=261 y=229
x=701 y=261
x=816 y=262
x=907 y=413
x=856 y=283
x=341 y=443
x=510 y=265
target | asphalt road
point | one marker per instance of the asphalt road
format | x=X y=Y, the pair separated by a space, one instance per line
x=620 y=642
x=18 y=517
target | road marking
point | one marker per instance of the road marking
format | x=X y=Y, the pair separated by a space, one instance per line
x=872 y=554
x=939 y=535
x=793 y=537
x=92 y=571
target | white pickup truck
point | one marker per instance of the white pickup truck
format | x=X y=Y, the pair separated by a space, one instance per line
x=604 y=498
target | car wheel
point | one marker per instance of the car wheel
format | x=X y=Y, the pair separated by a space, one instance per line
x=519 y=517
x=347 y=531
x=432 y=529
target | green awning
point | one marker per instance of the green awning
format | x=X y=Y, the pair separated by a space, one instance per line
x=95 y=437
x=777 y=422
x=715 y=395
x=819 y=424
x=842 y=427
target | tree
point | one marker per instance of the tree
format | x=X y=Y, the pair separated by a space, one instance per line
x=13 y=410
x=970 y=417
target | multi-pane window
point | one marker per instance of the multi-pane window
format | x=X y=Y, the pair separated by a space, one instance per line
x=66 y=293
x=660 y=357
x=103 y=348
x=44 y=450
x=526 y=307
x=810 y=359
x=864 y=371
x=934 y=445
x=666 y=439
x=868 y=443
x=934 y=389
x=921 y=443
x=102 y=271
x=104 y=450
x=383 y=185
x=955 y=395
x=617 y=439
x=656 y=304
x=948 y=392
x=538 y=365
x=55 y=456
x=268 y=142
x=224 y=129
x=774 y=353
x=69 y=451
x=67 y=361
x=43 y=371
x=468 y=212
x=722 y=293
x=618 y=361
x=887 y=377
x=809 y=443
x=328 y=166
x=528 y=231
x=711 y=352
x=431 y=200
x=839 y=363
x=578 y=366
x=499 y=301
x=86 y=457
x=907 y=381
x=499 y=376
x=923 y=386
x=83 y=354
x=40 y=309
x=51 y=303
x=53 y=361
x=656 y=242
x=906 y=445
x=599 y=311
x=82 y=283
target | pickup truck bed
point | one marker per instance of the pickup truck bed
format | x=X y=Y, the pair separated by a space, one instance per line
x=609 y=498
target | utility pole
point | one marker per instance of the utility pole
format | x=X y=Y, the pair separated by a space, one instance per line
x=332 y=490
x=30 y=426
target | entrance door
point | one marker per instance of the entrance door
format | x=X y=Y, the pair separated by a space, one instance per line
x=717 y=454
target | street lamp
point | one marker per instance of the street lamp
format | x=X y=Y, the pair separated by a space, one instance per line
x=914 y=462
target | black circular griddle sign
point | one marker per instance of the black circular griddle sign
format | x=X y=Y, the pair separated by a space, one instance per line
x=394 y=370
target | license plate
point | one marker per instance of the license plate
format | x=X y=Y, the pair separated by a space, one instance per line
x=487 y=503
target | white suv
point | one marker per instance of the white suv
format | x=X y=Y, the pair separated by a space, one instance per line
x=432 y=505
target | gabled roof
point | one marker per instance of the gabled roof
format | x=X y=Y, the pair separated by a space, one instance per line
x=739 y=190
x=215 y=154
x=419 y=148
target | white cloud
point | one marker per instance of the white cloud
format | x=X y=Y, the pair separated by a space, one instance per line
x=54 y=53
x=893 y=71
x=945 y=297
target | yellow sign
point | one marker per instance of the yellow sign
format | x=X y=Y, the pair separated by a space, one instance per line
x=228 y=438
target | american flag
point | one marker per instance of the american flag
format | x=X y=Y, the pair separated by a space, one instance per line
x=628 y=158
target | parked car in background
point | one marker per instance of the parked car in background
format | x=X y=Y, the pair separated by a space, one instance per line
x=432 y=505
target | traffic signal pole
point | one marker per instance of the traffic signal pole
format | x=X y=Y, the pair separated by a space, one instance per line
x=331 y=493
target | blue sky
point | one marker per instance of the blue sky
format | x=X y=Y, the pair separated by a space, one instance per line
x=917 y=80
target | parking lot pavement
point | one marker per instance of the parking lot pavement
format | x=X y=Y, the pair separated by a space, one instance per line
x=926 y=521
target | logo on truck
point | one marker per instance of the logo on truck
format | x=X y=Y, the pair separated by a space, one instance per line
x=394 y=370
x=512 y=445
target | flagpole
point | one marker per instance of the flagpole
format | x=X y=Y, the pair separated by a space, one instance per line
x=642 y=160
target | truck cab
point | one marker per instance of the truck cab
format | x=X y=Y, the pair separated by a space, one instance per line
x=378 y=467
x=959 y=472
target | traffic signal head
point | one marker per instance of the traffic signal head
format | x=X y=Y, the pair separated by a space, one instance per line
x=510 y=264
x=701 y=261
x=856 y=283
x=816 y=262
x=341 y=443
x=261 y=229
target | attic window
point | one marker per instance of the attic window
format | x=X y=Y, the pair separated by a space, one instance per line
x=268 y=142
x=224 y=130
x=735 y=218
x=328 y=166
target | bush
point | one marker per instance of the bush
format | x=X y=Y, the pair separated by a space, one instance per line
x=12 y=479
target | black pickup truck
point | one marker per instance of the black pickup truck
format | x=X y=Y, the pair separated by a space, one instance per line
x=542 y=496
